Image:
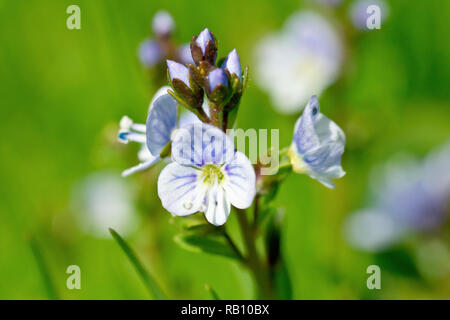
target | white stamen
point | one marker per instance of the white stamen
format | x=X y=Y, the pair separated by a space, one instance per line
x=125 y=123
x=140 y=167
x=139 y=127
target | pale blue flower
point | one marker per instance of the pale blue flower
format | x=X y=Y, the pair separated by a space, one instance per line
x=216 y=78
x=317 y=146
x=206 y=175
x=178 y=71
x=233 y=64
x=203 y=38
x=149 y=53
x=161 y=120
x=136 y=132
x=162 y=23
x=157 y=132
x=410 y=197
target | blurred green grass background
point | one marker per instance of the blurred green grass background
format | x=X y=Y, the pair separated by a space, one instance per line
x=64 y=91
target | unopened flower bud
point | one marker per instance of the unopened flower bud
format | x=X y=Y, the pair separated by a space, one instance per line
x=233 y=64
x=217 y=85
x=204 y=47
x=187 y=90
x=178 y=71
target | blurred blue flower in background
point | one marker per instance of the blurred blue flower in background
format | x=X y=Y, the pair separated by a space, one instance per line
x=410 y=197
x=149 y=53
x=155 y=50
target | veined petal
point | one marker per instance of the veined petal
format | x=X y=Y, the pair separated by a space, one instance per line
x=317 y=146
x=199 y=144
x=240 y=181
x=144 y=154
x=161 y=120
x=161 y=91
x=305 y=136
x=217 y=206
x=180 y=190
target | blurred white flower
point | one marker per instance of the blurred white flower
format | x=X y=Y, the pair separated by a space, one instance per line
x=300 y=61
x=409 y=196
x=103 y=200
x=371 y=230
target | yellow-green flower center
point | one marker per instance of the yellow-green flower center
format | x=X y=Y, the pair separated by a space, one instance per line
x=298 y=165
x=210 y=173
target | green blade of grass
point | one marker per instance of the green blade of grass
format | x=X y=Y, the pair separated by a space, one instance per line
x=43 y=269
x=212 y=292
x=145 y=276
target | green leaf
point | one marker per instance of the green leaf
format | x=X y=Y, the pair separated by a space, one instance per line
x=206 y=244
x=204 y=229
x=283 y=286
x=145 y=276
x=48 y=283
x=212 y=292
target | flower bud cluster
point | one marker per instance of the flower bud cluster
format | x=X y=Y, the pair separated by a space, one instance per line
x=221 y=81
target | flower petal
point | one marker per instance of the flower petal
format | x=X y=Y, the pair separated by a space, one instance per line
x=305 y=136
x=161 y=120
x=161 y=91
x=199 y=144
x=179 y=189
x=217 y=206
x=233 y=64
x=318 y=145
x=240 y=183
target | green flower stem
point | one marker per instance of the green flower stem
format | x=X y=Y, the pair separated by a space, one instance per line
x=225 y=120
x=215 y=112
x=253 y=261
x=256 y=212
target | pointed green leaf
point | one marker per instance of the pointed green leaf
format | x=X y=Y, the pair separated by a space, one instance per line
x=48 y=283
x=145 y=276
x=212 y=292
x=206 y=244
